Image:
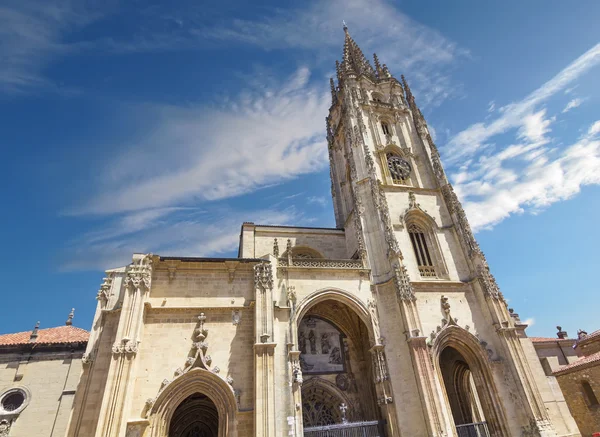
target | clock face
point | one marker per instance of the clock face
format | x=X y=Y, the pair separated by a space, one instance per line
x=399 y=168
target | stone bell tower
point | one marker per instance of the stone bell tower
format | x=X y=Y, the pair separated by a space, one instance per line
x=437 y=300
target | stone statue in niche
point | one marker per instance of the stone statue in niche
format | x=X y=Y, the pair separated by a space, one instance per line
x=336 y=356
x=313 y=342
x=325 y=343
x=321 y=347
x=302 y=342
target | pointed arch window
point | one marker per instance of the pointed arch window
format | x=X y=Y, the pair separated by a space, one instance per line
x=423 y=251
x=385 y=127
x=590 y=396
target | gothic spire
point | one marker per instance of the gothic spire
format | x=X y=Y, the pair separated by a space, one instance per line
x=354 y=61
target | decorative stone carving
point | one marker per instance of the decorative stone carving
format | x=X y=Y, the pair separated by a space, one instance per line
x=263 y=274
x=488 y=283
x=139 y=273
x=404 y=288
x=463 y=227
x=288 y=250
x=104 y=292
x=87 y=359
x=5 y=427
x=380 y=370
x=372 y=305
x=291 y=296
x=236 y=317
x=275 y=248
x=323 y=263
x=446 y=309
x=125 y=347
x=384 y=400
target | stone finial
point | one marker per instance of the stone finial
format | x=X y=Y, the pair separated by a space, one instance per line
x=69 y=321
x=561 y=334
x=378 y=69
x=333 y=91
x=275 y=248
x=581 y=334
x=34 y=334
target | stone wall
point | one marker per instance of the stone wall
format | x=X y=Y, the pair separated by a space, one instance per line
x=50 y=378
x=586 y=416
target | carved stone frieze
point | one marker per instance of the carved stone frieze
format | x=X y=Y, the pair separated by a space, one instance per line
x=125 y=347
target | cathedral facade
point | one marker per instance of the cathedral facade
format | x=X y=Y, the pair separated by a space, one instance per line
x=390 y=324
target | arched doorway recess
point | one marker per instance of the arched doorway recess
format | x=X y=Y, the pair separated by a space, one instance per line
x=334 y=345
x=464 y=368
x=200 y=392
x=196 y=416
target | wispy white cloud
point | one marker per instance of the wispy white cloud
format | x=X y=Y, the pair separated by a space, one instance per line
x=572 y=105
x=256 y=140
x=528 y=177
x=476 y=136
x=32 y=35
x=189 y=233
x=405 y=45
x=319 y=200
x=491 y=106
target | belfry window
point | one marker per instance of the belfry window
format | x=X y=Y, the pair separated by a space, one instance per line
x=422 y=251
x=590 y=396
x=399 y=169
x=385 y=128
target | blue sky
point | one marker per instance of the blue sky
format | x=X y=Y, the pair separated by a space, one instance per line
x=141 y=126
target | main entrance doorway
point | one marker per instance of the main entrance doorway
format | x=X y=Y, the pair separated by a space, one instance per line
x=338 y=392
x=196 y=416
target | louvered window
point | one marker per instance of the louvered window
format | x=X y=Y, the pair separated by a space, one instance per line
x=422 y=252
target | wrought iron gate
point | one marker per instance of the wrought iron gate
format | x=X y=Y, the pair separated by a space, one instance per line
x=355 y=429
x=473 y=430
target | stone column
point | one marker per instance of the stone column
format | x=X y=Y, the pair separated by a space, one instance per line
x=264 y=348
x=436 y=415
x=118 y=388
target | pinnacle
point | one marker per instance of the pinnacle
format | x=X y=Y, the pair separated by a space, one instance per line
x=354 y=61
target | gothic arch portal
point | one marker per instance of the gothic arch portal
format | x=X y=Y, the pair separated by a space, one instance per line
x=330 y=379
x=205 y=389
x=477 y=361
x=342 y=296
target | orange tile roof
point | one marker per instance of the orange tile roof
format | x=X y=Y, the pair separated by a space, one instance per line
x=589 y=361
x=58 y=335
